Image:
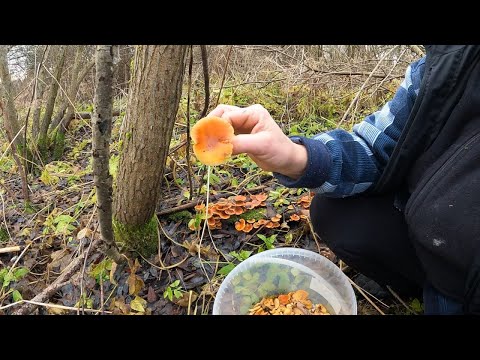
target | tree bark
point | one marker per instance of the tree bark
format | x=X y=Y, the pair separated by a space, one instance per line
x=102 y=131
x=152 y=106
x=38 y=93
x=10 y=118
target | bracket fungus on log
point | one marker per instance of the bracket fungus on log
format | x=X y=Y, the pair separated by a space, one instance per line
x=212 y=137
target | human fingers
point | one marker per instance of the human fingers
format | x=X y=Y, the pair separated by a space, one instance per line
x=222 y=109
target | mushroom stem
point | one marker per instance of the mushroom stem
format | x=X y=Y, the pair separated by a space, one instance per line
x=207 y=204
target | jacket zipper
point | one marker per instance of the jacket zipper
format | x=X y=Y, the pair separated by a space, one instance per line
x=423 y=186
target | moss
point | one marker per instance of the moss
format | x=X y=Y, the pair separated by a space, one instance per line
x=3 y=235
x=253 y=214
x=184 y=215
x=141 y=238
x=59 y=145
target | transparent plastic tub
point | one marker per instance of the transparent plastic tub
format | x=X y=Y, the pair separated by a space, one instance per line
x=280 y=271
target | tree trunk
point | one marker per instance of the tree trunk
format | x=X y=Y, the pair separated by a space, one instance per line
x=38 y=93
x=10 y=119
x=52 y=96
x=59 y=125
x=152 y=107
x=102 y=131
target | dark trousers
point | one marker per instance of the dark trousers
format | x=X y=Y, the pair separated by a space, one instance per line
x=369 y=234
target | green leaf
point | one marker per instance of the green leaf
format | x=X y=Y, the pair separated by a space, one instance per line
x=244 y=254
x=170 y=293
x=416 y=305
x=262 y=237
x=138 y=304
x=226 y=269
x=20 y=273
x=3 y=272
x=16 y=296
x=7 y=279
x=178 y=294
x=175 y=283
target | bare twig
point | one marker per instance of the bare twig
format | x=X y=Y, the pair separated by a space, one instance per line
x=229 y=51
x=10 y=249
x=55 y=306
x=21 y=169
x=206 y=80
x=355 y=99
x=401 y=301
x=366 y=296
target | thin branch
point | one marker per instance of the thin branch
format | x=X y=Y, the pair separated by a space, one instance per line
x=206 y=80
x=355 y=99
x=366 y=297
x=229 y=51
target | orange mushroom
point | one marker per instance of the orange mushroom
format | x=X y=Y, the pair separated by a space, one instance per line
x=248 y=228
x=240 y=225
x=294 y=217
x=212 y=137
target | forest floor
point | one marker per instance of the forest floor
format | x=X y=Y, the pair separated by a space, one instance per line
x=60 y=224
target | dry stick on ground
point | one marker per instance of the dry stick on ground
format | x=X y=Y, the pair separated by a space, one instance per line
x=206 y=80
x=365 y=296
x=102 y=130
x=187 y=152
x=355 y=99
x=10 y=249
x=55 y=306
x=59 y=282
x=401 y=301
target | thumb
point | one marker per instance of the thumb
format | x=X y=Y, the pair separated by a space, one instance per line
x=250 y=143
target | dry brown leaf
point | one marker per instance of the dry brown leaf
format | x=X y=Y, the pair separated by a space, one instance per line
x=85 y=232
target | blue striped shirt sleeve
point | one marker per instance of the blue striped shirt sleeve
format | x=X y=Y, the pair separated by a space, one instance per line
x=342 y=163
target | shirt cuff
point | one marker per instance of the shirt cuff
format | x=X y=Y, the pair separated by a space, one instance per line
x=318 y=165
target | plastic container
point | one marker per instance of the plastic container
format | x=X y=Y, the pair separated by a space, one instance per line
x=283 y=270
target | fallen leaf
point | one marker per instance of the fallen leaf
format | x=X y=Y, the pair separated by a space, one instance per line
x=135 y=284
x=184 y=300
x=120 y=304
x=85 y=232
x=151 y=296
x=138 y=304
x=55 y=311
x=112 y=273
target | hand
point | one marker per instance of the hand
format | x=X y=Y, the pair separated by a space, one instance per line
x=258 y=135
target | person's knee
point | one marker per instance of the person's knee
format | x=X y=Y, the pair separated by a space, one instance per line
x=325 y=217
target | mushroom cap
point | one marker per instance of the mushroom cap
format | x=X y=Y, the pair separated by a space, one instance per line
x=212 y=137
